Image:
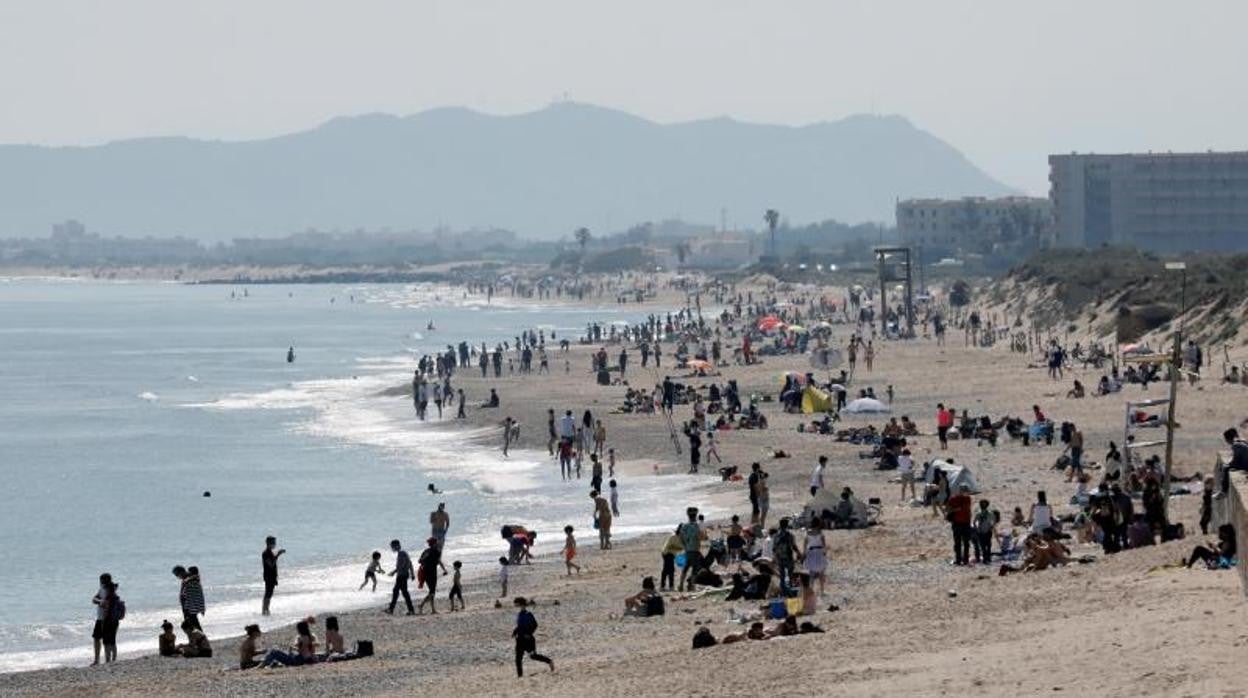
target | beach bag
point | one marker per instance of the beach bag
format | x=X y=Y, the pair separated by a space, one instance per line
x=655 y=606
x=703 y=638
x=117 y=609
x=364 y=648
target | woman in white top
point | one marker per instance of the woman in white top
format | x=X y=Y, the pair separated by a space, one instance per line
x=813 y=556
x=1041 y=514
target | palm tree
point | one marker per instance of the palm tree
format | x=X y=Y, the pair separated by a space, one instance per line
x=582 y=236
x=773 y=219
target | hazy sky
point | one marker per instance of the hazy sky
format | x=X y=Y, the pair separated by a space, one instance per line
x=1006 y=82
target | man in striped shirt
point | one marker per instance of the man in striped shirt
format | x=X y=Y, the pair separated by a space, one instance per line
x=191 y=595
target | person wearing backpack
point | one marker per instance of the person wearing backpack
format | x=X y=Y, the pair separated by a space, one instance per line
x=985 y=525
x=691 y=538
x=526 y=642
x=110 y=610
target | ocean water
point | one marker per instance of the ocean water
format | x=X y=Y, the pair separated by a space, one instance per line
x=124 y=403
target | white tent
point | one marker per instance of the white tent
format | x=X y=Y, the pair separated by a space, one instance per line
x=866 y=405
x=958 y=475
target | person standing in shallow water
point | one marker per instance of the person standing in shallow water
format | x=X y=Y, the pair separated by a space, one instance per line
x=268 y=563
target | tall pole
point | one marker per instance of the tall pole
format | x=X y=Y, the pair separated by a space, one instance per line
x=1170 y=411
x=1176 y=361
x=882 y=305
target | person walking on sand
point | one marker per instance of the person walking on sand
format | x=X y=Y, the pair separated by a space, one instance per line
x=459 y=413
x=602 y=519
x=430 y=561
x=526 y=642
x=816 y=478
x=190 y=596
x=944 y=422
x=402 y=574
x=569 y=551
x=440 y=523
x=268 y=564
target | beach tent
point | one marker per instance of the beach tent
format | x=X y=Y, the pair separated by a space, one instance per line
x=815 y=400
x=958 y=475
x=866 y=405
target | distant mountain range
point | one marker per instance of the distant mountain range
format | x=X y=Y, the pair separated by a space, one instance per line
x=542 y=174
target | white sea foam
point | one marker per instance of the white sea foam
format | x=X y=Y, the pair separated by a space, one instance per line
x=149 y=396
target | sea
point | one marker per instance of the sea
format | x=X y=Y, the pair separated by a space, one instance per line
x=146 y=425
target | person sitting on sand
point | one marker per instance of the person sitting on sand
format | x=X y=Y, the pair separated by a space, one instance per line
x=168 y=641
x=1039 y=554
x=644 y=603
x=333 y=638
x=197 y=644
x=1218 y=554
x=249 y=648
x=1077 y=391
x=786 y=628
x=908 y=427
x=304 y=651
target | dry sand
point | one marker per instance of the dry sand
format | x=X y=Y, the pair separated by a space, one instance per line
x=1117 y=626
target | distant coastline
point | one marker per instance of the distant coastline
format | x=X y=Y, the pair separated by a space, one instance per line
x=257 y=274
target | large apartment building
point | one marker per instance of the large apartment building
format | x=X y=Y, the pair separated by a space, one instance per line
x=973 y=224
x=1166 y=202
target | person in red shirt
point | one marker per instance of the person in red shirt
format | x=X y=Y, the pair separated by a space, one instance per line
x=958 y=512
x=944 y=421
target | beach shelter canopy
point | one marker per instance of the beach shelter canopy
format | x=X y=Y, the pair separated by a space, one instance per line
x=866 y=405
x=958 y=475
x=797 y=329
x=815 y=400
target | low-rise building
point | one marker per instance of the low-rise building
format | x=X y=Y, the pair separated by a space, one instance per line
x=1165 y=202
x=974 y=224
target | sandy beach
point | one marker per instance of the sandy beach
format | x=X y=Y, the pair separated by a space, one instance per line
x=908 y=621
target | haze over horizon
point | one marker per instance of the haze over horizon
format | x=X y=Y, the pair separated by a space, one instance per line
x=1005 y=84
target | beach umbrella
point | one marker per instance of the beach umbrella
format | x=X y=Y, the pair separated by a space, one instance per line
x=866 y=405
x=770 y=323
x=823 y=325
x=797 y=328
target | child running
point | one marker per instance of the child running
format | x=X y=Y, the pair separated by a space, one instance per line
x=373 y=569
x=569 y=551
